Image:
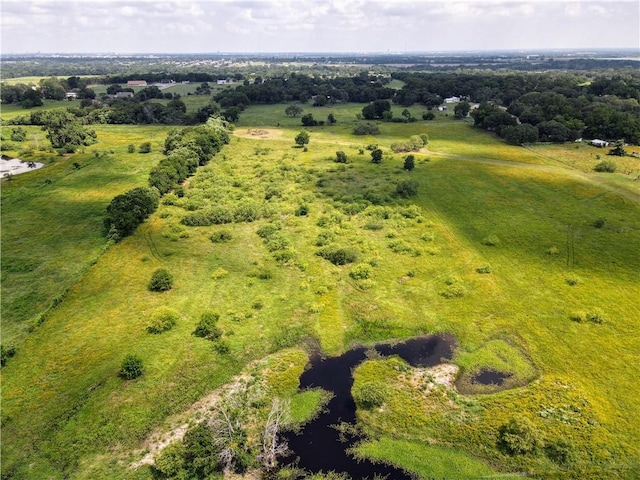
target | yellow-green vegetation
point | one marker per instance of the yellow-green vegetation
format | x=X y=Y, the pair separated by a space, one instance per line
x=67 y=413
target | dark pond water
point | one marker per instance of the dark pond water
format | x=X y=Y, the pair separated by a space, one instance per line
x=319 y=447
x=490 y=377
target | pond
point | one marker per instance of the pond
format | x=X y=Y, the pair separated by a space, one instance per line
x=15 y=166
x=320 y=447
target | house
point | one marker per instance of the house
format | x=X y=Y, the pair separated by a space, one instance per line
x=452 y=100
x=71 y=95
x=124 y=95
x=442 y=108
x=137 y=83
x=599 y=143
x=221 y=81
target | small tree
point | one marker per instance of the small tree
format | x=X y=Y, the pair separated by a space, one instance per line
x=302 y=139
x=331 y=119
x=407 y=188
x=131 y=367
x=341 y=157
x=293 y=110
x=207 y=327
x=145 y=147
x=161 y=281
x=618 y=150
x=462 y=110
x=376 y=156
x=409 y=163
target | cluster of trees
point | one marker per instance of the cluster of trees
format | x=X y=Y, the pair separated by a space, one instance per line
x=185 y=149
x=51 y=88
x=543 y=107
x=303 y=88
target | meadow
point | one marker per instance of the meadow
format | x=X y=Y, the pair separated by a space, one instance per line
x=525 y=255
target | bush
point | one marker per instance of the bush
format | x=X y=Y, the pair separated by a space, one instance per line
x=366 y=129
x=361 y=271
x=606 y=166
x=219 y=273
x=376 y=156
x=6 y=352
x=161 y=281
x=302 y=211
x=127 y=211
x=407 y=188
x=131 y=148
x=490 y=241
x=409 y=163
x=170 y=461
x=221 y=236
x=341 y=157
x=518 y=437
x=131 y=367
x=599 y=223
x=145 y=147
x=369 y=395
x=338 y=255
x=484 y=269
x=207 y=327
x=162 y=320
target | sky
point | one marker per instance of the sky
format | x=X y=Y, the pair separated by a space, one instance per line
x=269 y=26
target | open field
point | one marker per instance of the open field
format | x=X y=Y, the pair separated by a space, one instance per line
x=501 y=247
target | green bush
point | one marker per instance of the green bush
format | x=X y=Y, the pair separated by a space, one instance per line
x=131 y=148
x=145 y=147
x=221 y=236
x=484 y=269
x=369 y=395
x=163 y=319
x=341 y=157
x=207 y=327
x=6 y=352
x=170 y=461
x=490 y=241
x=407 y=188
x=361 y=271
x=607 y=166
x=519 y=437
x=366 y=129
x=131 y=367
x=339 y=255
x=161 y=281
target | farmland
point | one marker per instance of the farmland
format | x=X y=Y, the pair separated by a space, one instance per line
x=526 y=255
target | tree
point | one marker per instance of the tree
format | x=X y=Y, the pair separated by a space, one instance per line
x=161 y=281
x=131 y=367
x=293 y=110
x=376 y=109
x=341 y=157
x=331 y=119
x=308 y=120
x=520 y=134
x=302 y=139
x=65 y=131
x=127 y=211
x=145 y=147
x=409 y=163
x=519 y=437
x=618 y=150
x=273 y=446
x=407 y=188
x=462 y=110
x=376 y=156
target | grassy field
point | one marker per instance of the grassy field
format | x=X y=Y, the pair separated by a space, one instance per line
x=556 y=243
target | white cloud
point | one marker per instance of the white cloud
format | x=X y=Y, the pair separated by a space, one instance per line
x=315 y=25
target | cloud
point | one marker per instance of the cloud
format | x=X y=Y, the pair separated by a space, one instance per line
x=314 y=25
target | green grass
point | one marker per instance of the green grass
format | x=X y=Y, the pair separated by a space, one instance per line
x=65 y=411
x=427 y=460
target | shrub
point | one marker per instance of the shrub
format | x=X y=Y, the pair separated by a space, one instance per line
x=145 y=147
x=302 y=211
x=560 y=451
x=219 y=273
x=131 y=148
x=221 y=346
x=484 y=269
x=369 y=395
x=131 y=367
x=599 y=223
x=162 y=320
x=409 y=163
x=161 y=281
x=366 y=129
x=361 y=271
x=207 y=327
x=606 y=166
x=338 y=255
x=341 y=157
x=490 y=241
x=407 y=188
x=553 y=251
x=324 y=238
x=127 y=211
x=572 y=280
x=170 y=461
x=376 y=156
x=454 y=288
x=221 y=236
x=518 y=437
x=6 y=352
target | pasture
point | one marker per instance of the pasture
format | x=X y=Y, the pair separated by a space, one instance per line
x=502 y=247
